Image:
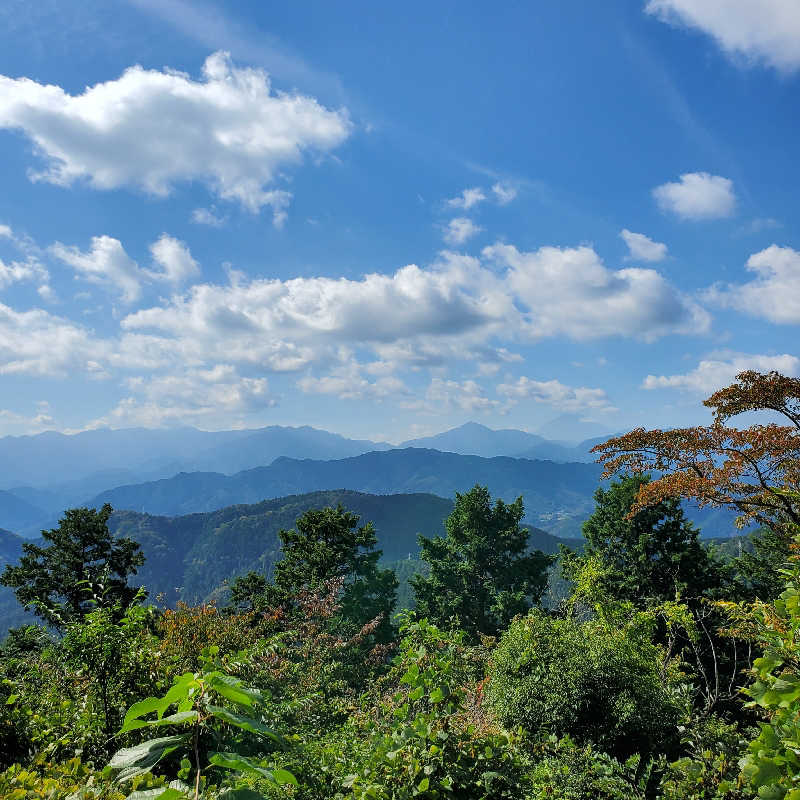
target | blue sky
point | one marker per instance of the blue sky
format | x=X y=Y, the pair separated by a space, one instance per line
x=387 y=219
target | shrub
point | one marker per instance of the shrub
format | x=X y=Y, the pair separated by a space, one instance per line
x=588 y=680
x=568 y=771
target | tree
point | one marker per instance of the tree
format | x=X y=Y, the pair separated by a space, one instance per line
x=481 y=573
x=83 y=568
x=654 y=555
x=327 y=545
x=755 y=469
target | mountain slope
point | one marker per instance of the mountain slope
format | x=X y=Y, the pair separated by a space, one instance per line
x=190 y=557
x=547 y=488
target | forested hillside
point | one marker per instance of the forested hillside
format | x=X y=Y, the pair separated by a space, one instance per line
x=268 y=660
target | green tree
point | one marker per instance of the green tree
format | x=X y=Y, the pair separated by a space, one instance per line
x=328 y=545
x=481 y=573
x=248 y=592
x=651 y=556
x=82 y=568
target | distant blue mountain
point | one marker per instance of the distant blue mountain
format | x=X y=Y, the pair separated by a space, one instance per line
x=548 y=488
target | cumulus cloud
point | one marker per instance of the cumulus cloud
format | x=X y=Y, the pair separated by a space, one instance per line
x=347 y=382
x=194 y=395
x=12 y=422
x=467 y=199
x=642 y=247
x=569 y=291
x=774 y=294
x=18 y=271
x=175 y=260
x=37 y=343
x=286 y=325
x=718 y=371
x=152 y=129
x=765 y=31
x=459 y=230
x=697 y=196
x=555 y=393
x=105 y=263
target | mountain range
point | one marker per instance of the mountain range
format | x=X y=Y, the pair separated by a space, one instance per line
x=549 y=489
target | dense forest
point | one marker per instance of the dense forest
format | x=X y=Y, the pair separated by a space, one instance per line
x=645 y=663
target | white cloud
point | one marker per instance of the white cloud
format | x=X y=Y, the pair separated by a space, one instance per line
x=444 y=396
x=286 y=325
x=106 y=263
x=642 y=247
x=555 y=393
x=38 y=343
x=459 y=230
x=774 y=294
x=175 y=260
x=151 y=130
x=504 y=193
x=467 y=199
x=697 y=196
x=719 y=371
x=12 y=422
x=347 y=382
x=765 y=31
x=192 y=395
x=571 y=292
x=18 y=271
x=206 y=216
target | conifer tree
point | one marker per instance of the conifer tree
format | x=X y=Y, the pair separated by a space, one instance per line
x=82 y=567
x=481 y=573
x=327 y=545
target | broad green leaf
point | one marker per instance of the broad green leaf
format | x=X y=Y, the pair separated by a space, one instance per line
x=173 y=719
x=245 y=723
x=243 y=764
x=232 y=689
x=147 y=754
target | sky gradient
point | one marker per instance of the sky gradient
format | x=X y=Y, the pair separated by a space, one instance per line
x=385 y=220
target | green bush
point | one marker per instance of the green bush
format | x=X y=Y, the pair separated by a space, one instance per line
x=589 y=680
x=567 y=771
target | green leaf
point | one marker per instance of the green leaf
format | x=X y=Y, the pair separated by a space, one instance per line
x=143 y=757
x=231 y=689
x=173 y=719
x=423 y=785
x=437 y=695
x=245 y=723
x=243 y=764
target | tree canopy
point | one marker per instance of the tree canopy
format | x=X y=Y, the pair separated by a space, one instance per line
x=326 y=545
x=655 y=554
x=82 y=568
x=753 y=469
x=481 y=573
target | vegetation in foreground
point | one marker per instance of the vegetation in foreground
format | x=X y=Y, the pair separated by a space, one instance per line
x=667 y=670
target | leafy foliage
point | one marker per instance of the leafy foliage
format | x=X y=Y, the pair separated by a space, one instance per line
x=82 y=566
x=718 y=464
x=326 y=545
x=480 y=574
x=592 y=681
x=210 y=707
